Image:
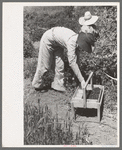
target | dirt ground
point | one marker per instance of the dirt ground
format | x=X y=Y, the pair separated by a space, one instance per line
x=103 y=133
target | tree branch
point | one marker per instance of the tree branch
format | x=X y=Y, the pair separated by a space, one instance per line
x=110 y=76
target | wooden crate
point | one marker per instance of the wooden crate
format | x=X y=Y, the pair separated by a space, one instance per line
x=80 y=100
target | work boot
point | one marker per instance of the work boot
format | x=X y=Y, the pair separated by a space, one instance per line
x=38 y=85
x=39 y=88
x=57 y=86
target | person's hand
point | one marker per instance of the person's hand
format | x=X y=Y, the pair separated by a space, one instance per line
x=83 y=84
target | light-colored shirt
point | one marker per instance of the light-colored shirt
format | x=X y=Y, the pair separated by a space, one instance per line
x=67 y=38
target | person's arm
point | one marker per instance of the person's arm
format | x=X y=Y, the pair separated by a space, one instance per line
x=76 y=70
x=73 y=61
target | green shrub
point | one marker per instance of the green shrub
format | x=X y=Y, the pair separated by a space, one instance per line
x=28 y=48
x=106 y=47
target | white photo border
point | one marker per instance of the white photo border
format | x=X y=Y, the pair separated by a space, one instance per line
x=12 y=64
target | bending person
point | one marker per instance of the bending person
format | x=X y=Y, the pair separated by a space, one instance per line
x=52 y=44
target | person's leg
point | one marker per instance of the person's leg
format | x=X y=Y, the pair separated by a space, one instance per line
x=44 y=63
x=58 y=82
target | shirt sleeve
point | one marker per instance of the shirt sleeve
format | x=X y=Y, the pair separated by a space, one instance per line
x=72 y=58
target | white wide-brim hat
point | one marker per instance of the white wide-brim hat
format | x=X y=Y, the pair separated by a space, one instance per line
x=88 y=19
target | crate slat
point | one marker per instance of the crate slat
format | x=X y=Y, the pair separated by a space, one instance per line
x=80 y=100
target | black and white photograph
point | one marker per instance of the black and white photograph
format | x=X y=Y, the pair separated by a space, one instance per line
x=70 y=60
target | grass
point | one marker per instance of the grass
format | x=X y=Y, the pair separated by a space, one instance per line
x=41 y=128
x=30 y=65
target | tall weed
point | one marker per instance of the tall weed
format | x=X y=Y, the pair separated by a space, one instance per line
x=41 y=128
